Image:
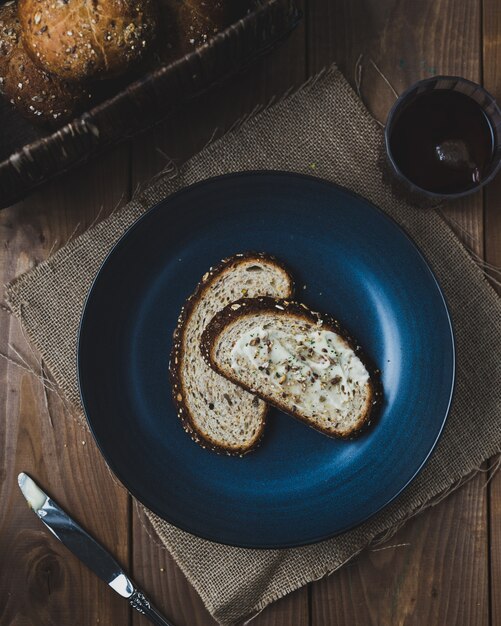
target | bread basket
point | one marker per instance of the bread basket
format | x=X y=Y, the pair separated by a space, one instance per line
x=30 y=156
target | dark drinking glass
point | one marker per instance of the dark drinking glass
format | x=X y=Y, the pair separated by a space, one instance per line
x=443 y=138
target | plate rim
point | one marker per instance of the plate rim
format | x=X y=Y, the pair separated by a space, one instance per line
x=214 y=180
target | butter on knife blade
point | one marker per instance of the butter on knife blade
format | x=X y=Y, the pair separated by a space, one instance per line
x=35 y=497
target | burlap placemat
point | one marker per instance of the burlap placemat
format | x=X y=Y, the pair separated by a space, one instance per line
x=322 y=129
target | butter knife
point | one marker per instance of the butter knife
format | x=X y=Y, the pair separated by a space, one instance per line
x=83 y=546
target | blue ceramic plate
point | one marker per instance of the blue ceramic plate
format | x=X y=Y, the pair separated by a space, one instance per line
x=299 y=486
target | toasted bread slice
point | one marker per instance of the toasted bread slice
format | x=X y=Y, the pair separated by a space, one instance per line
x=302 y=362
x=216 y=413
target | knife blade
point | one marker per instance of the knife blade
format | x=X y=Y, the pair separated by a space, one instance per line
x=86 y=548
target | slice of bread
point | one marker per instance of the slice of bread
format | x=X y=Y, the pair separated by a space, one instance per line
x=216 y=413
x=300 y=361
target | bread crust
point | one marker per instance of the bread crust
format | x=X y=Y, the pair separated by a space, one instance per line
x=178 y=353
x=249 y=306
x=39 y=96
x=82 y=40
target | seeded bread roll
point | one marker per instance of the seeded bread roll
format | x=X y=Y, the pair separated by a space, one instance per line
x=300 y=361
x=39 y=96
x=81 y=40
x=199 y=20
x=216 y=413
x=9 y=32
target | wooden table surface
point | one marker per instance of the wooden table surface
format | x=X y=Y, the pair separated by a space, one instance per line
x=444 y=567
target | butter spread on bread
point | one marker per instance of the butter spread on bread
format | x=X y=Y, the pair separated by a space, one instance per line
x=315 y=365
x=298 y=360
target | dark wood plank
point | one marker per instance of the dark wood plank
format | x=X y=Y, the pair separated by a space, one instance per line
x=183 y=135
x=441 y=577
x=492 y=82
x=406 y=40
x=426 y=574
x=40 y=582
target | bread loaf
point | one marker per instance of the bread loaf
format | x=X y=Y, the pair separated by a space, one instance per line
x=39 y=96
x=81 y=40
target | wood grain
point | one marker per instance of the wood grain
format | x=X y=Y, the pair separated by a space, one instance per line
x=407 y=41
x=40 y=582
x=492 y=82
x=429 y=580
x=431 y=572
x=183 y=135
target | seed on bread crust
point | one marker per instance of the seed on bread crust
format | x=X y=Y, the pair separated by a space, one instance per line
x=40 y=97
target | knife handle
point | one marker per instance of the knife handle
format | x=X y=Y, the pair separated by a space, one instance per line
x=141 y=603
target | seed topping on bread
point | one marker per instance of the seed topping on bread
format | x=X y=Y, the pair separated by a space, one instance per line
x=314 y=365
x=300 y=361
